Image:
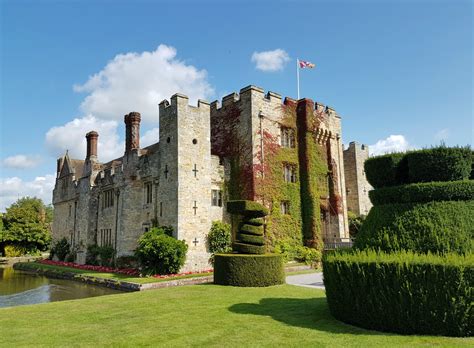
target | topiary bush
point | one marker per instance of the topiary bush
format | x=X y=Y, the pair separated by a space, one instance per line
x=249 y=239
x=439 y=164
x=248 y=270
x=158 y=253
x=386 y=170
x=424 y=192
x=437 y=227
x=401 y=292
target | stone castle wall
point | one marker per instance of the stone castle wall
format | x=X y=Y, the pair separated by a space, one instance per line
x=357 y=186
x=189 y=160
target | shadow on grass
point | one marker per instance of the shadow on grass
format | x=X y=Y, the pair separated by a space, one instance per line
x=305 y=313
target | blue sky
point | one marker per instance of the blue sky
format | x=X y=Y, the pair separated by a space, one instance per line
x=398 y=72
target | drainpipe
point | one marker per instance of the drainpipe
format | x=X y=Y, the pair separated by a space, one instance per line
x=117 y=194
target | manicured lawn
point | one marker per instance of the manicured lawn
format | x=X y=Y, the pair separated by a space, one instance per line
x=200 y=315
x=114 y=276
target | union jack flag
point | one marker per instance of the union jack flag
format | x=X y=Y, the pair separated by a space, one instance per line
x=304 y=64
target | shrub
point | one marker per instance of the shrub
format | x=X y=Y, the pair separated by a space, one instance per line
x=126 y=261
x=248 y=270
x=15 y=250
x=92 y=255
x=355 y=223
x=158 y=253
x=436 y=227
x=424 y=192
x=439 y=164
x=60 y=249
x=106 y=255
x=219 y=238
x=401 y=292
x=100 y=255
x=386 y=170
x=292 y=251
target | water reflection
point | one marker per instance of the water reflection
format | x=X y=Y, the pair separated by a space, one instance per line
x=19 y=288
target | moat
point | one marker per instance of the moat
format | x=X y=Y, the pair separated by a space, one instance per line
x=20 y=288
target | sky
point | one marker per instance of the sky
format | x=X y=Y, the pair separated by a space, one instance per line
x=398 y=72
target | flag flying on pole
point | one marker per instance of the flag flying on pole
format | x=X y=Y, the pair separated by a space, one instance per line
x=305 y=64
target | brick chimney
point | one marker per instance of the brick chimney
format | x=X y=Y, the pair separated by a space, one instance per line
x=132 y=131
x=92 y=138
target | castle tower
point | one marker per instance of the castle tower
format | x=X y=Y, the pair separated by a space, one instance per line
x=357 y=186
x=185 y=175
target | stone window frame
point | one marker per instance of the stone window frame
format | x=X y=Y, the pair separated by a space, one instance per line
x=216 y=198
x=287 y=137
x=290 y=173
x=148 y=192
x=285 y=207
x=105 y=237
x=107 y=198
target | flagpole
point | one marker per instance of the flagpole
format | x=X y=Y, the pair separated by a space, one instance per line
x=298 y=77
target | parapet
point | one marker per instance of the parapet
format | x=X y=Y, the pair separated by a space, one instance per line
x=181 y=99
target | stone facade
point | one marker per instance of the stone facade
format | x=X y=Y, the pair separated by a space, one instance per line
x=179 y=181
x=357 y=186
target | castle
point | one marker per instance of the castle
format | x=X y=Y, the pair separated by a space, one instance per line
x=286 y=153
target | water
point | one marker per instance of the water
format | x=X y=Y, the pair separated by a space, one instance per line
x=20 y=288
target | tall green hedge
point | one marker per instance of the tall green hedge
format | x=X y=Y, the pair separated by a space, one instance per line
x=386 y=170
x=436 y=227
x=439 y=164
x=402 y=292
x=248 y=270
x=435 y=164
x=424 y=192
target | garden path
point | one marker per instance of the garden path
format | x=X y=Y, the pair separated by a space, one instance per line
x=310 y=280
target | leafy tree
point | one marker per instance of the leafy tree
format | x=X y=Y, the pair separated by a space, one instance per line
x=27 y=225
x=355 y=223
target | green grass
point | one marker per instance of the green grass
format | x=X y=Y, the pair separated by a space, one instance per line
x=200 y=315
x=114 y=276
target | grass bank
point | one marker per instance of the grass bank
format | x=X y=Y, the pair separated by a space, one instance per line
x=200 y=315
x=35 y=266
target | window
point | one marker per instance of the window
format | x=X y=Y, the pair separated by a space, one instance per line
x=285 y=207
x=107 y=198
x=216 y=198
x=148 y=192
x=105 y=237
x=287 y=137
x=289 y=172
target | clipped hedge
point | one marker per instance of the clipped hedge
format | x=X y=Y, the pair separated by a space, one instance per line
x=437 y=227
x=386 y=170
x=248 y=270
x=251 y=209
x=424 y=192
x=402 y=292
x=439 y=164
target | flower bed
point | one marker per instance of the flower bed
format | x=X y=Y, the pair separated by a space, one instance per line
x=125 y=271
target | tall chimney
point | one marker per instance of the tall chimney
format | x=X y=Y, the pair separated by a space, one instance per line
x=132 y=131
x=92 y=138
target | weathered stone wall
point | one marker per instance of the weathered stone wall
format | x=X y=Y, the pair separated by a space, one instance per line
x=357 y=186
x=182 y=174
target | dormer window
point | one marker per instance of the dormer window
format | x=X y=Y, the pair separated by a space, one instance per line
x=287 y=137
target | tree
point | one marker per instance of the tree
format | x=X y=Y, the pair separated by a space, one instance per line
x=27 y=225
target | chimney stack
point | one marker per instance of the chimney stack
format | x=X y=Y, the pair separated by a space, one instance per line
x=92 y=138
x=132 y=131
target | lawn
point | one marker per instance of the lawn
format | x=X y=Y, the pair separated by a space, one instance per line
x=199 y=315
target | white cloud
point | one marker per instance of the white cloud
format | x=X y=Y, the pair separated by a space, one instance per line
x=22 y=161
x=71 y=136
x=270 y=60
x=139 y=81
x=393 y=143
x=13 y=188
